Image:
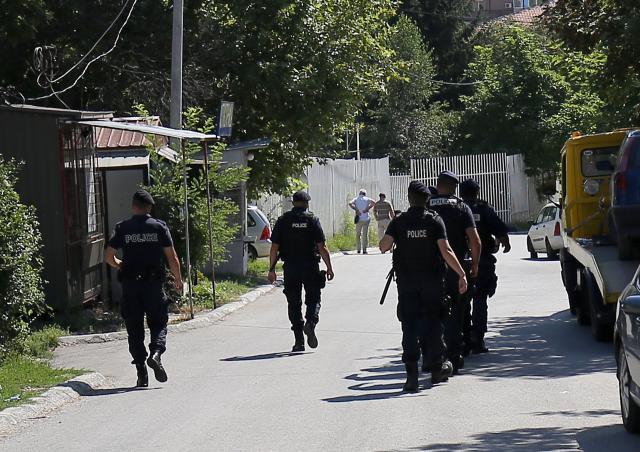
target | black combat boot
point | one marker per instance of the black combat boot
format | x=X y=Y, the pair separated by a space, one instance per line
x=458 y=363
x=478 y=344
x=412 y=378
x=143 y=375
x=310 y=330
x=158 y=370
x=299 y=345
x=442 y=372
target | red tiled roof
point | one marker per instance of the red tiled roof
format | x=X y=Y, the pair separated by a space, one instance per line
x=108 y=139
x=527 y=16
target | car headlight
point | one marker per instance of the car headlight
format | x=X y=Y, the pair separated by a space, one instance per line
x=592 y=187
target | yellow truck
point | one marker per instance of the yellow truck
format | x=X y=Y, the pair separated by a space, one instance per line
x=591 y=272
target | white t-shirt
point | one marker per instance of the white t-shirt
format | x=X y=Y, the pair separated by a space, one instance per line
x=362 y=202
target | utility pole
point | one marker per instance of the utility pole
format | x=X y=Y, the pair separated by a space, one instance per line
x=175 y=122
x=175 y=119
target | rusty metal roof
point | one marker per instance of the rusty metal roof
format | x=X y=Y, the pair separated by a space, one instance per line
x=144 y=128
x=108 y=138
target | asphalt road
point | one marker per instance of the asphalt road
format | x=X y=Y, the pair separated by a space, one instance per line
x=233 y=386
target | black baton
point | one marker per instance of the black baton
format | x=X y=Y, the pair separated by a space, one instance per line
x=386 y=286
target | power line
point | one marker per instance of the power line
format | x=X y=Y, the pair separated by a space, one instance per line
x=86 y=68
x=442 y=82
x=122 y=10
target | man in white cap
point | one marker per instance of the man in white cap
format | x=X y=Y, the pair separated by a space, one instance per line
x=362 y=205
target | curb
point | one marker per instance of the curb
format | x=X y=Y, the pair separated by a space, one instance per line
x=200 y=321
x=11 y=419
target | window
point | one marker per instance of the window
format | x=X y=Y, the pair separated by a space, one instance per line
x=550 y=214
x=540 y=216
x=634 y=154
x=599 y=162
x=251 y=222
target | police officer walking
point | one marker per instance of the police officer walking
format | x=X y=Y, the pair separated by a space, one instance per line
x=298 y=239
x=421 y=250
x=145 y=243
x=465 y=242
x=493 y=233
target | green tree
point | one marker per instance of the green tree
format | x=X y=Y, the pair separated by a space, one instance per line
x=21 y=293
x=534 y=93
x=168 y=190
x=402 y=122
x=611 y=27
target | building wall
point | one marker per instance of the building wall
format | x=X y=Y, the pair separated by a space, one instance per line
x=33 y=138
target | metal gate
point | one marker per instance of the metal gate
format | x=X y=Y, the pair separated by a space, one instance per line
x=489 y=170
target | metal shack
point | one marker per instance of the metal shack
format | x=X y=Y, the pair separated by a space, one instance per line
x=59 y=178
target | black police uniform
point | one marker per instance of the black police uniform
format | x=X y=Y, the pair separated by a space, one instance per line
x=457 y=217
x=142 y=240
x=420 y=271
x=489 y=226
x=298 y=232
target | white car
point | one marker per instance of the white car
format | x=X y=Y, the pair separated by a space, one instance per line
x=258 y=226
x=545 y=234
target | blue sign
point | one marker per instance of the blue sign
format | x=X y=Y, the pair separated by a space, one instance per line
x=225 y=119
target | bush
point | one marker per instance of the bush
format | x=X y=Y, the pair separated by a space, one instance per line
x=42 y=342
x=21 y=294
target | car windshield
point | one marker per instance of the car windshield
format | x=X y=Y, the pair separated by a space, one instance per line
x=598 y=162
x=634 y=157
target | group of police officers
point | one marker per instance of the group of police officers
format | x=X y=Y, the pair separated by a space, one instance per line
x=443 y=259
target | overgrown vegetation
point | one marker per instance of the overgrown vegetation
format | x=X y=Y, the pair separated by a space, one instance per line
x=21 y=295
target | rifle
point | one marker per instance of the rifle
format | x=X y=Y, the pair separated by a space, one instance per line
x=386 y=287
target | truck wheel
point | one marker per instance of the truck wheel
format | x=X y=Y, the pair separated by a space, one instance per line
x=630 y=410
x=551 y=253
x=531 y=249
x=568 y=272
x=582 y=302
x=625 y=249
x=602 y=331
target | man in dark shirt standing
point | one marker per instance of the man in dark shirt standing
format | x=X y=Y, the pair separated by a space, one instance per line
x=419 y=263
x=464 y=239
x=298 y=239
x=493 y=232
x=145 y=243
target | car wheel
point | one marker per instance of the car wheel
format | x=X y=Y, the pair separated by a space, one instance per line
x=551 y=253
x=531 y=249
x=630 y=410
x=253 y=254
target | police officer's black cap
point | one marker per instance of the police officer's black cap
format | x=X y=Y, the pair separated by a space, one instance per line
x=143 y=197
x=418 y=188
x=301 y=196
x=449 y=175
x=469 y=186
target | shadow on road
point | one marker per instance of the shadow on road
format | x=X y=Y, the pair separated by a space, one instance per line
x=593 y=439
x=86 y=390
x=525 y=347
x=262 y=357
x=540 y=348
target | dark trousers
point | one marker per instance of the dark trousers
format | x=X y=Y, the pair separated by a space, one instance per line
x=421 y=309
x=140 y=298
x=486 y=285
x=296 y=276
x=455 y=322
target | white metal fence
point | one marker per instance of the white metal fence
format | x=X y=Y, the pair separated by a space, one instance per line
x=332 y=185
x=502 y=178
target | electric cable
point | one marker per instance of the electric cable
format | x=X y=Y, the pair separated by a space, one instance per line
x=86 y=68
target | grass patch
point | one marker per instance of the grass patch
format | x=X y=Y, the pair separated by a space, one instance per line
x=258 y=268
x=41 y=343
x=345 y=240
x=23 y=377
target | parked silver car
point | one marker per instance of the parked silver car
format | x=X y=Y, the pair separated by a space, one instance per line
x=258 y=226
